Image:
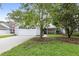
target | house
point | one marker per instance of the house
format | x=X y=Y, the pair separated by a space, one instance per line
x=52 y=29
x=7 y=27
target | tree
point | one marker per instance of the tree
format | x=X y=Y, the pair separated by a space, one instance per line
x=68 y=17
x=62 y=15
x=16 y=15
x=42 y=11
x=32 y=15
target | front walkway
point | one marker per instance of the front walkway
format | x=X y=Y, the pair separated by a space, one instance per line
x=11 y=42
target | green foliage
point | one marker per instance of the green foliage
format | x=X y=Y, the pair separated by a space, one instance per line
x=64 y=15
x=32 y=15
x=68 y=17
x=16 y=15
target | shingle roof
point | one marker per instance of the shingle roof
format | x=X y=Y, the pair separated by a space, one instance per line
x=6 y=25
x=51 y=26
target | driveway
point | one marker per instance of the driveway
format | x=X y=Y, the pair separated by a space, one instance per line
x=11 y=42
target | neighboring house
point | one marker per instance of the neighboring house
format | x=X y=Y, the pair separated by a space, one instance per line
x=52 y=29
x=7 y=27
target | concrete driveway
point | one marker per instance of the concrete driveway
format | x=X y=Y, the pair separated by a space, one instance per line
x=11 y=42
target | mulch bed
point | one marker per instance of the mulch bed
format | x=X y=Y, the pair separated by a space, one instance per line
x=64 y=39
x=44 y=39
x=69 y=40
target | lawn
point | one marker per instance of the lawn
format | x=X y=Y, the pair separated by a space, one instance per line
x=55 y=35
x=51 y=48
x=4 y=36
x=76 y=35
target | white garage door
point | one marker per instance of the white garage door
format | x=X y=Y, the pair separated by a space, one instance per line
x=27 y=32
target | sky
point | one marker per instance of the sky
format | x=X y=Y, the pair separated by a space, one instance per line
x=6 y=8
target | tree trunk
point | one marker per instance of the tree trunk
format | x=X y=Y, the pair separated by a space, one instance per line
x=41 y=23
x=69 y=36
x=41 y=30
x=69 y=32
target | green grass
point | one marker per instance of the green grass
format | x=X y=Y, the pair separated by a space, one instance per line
x=52 y=48
x=55 y=35
x=4 y=36
x=76 y=34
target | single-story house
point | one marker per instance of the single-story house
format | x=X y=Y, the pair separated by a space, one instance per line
x=52 y=29
x=10 y=27
x=7 y=27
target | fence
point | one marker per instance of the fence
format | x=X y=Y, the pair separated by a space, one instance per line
x=27 y=32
